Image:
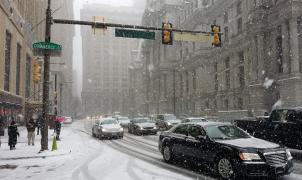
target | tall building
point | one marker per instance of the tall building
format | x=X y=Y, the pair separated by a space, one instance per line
x=257 y=68
x=21 y=25
x=61 y=77
x=106 y=59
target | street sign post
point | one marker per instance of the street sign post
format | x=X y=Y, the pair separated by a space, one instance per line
x=126 y=33
x=53 y=48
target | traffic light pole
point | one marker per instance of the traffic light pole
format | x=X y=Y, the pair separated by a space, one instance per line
x=44 y=127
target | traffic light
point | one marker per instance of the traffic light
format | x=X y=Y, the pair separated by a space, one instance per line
x=216 y=30
x=37 y=72
x=167 y=37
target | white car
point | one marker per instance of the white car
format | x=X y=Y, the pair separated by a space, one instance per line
x=124 y=121
x=107 y=128
x=68 y=120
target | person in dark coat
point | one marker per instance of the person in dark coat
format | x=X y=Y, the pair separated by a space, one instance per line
x=12 y=135
x=58 y=130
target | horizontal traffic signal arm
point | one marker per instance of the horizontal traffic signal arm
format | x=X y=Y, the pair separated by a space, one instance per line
x=126 y=26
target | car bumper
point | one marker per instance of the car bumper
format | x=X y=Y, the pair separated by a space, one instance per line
x=264 y=170
x=148 y=131
x=112 y=134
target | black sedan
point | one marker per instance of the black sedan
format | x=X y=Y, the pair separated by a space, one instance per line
x=227 y=149
x=143 y=125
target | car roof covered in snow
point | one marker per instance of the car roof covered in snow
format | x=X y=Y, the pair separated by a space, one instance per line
x=299 y=108
x=209 y=123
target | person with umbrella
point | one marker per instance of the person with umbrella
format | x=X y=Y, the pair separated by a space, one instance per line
x=58 y=126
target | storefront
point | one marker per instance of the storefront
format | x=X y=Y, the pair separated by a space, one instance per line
x=11 y=108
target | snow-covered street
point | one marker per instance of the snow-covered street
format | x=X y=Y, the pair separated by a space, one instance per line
x=80 y=156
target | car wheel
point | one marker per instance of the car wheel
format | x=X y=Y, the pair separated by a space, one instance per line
x=167 y=154
x=225 y=168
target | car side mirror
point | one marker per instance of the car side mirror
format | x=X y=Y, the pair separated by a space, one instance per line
x=202 y=138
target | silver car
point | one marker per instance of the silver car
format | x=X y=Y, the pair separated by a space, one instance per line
x=107 y=128
x=124 y=121
x=194 y=120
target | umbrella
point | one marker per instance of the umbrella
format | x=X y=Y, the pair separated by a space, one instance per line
x=60 y=119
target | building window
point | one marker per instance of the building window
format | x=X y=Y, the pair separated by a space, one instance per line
x=187 y=83
x=239 y=8
x=239 y=25
x=8 y=42
x=18 y=66
x=216 y=76
x=279 y=50
x=226 y=34
x=27 y=76
x=226 y=104
x=240 y=103
x=226 y=17
x=241 y=73
x=227 y=74
x=194 y=78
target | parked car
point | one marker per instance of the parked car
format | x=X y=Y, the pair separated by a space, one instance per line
x=283 y=126
x=194 y=119
x=142 y=126
x=107 y=128
x=166 y=121
x=249 y=124
x=124 y=121
x=68 y=120
x=230 y=151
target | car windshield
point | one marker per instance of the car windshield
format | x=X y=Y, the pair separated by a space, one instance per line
x=109 y=121
x=143 y=120
x=197 y=120
x=123 y=119
x=225 y=132
x=170 y=117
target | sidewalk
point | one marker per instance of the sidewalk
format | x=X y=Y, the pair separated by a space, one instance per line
x=24 y=151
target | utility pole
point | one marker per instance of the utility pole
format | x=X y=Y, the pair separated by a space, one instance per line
x=174 y=93
x=44 y=129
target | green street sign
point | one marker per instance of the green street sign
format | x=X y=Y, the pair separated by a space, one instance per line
x=126 y=33
x=47 y=46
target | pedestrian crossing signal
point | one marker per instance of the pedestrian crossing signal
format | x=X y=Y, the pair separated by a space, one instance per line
x=216 y=30
x=167 y=36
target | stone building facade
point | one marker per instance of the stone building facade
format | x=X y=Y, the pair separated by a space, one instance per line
x=257 y=67
x=20 y=26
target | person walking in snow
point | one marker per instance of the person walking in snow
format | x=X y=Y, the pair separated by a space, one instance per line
x=12 y=135
x=31 y=128
x=58 y=130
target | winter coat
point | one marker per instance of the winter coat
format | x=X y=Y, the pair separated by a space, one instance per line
x=57 y=126
x=31 y=126
x=12 y=134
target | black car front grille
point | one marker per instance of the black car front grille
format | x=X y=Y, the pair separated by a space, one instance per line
x=276 y=159
x=148 y=127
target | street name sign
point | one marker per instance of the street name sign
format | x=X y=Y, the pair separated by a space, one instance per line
x=191 y=37
x=126 y=33
x=40 y=48
x=47 y=46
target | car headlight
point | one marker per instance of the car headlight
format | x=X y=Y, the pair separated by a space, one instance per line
x=121 y=129
x=154 y=127
x=169 y=124
x=104 y=130
x=141 y=128
x=289 y=155
x=249 y=156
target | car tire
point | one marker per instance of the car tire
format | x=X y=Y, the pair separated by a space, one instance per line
x=225 y=168
x=167 y=154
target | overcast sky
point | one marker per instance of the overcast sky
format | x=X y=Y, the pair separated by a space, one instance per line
x=77 y=42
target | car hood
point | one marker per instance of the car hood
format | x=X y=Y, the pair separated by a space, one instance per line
x=174 y=121
x=146 y=125
x=249 y=143
x=111 y=126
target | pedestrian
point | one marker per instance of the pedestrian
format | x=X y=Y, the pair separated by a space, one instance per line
x=31 y=128
x=38 y=124
x=58 y=129
x=12 y=135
